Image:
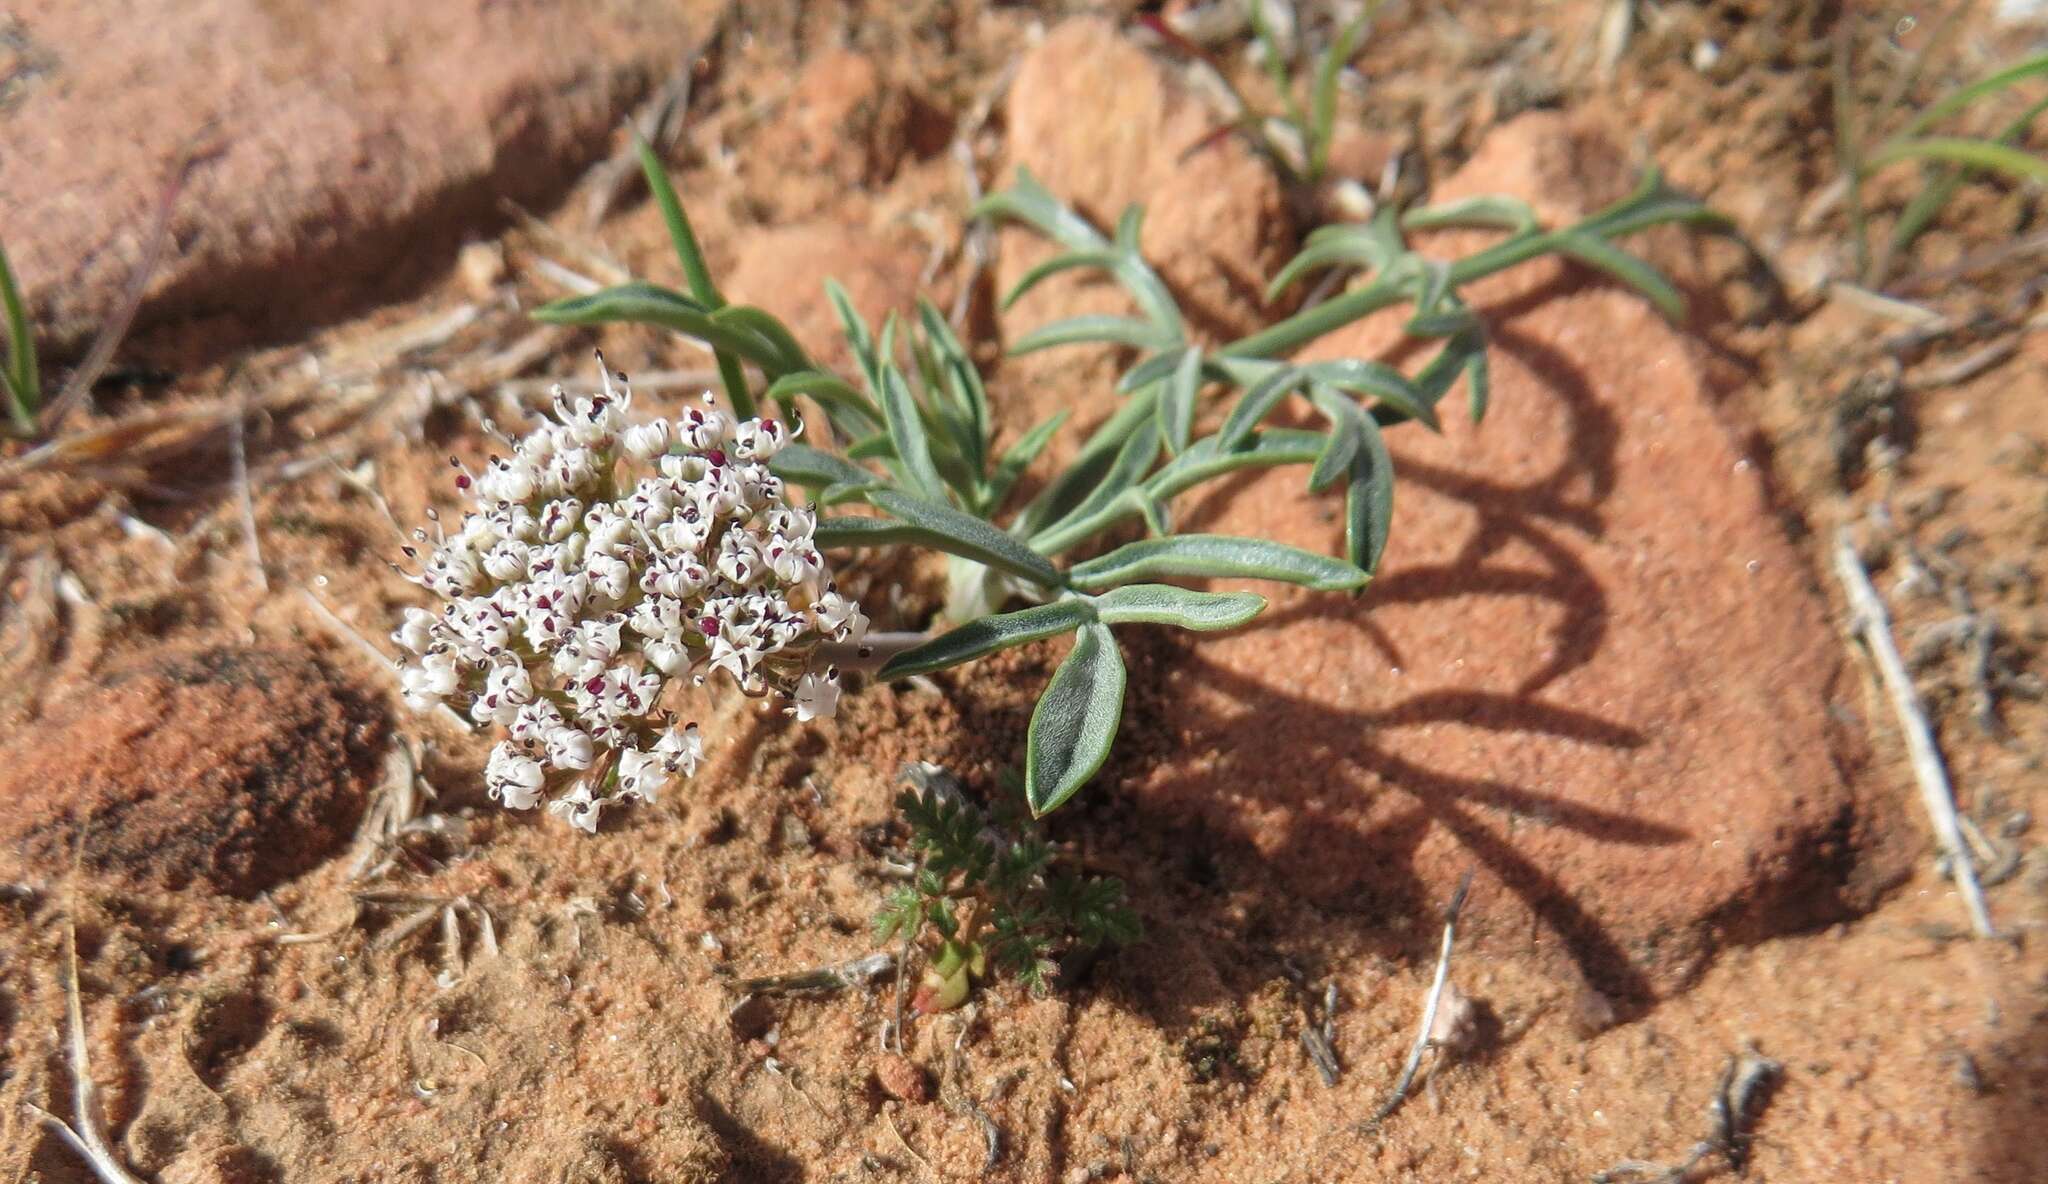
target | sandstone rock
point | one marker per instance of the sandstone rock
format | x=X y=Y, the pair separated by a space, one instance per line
x=232 y=768
x=1591 y=666
x=784 y=269
x=337 y=148
x=842 y=121
x=1103 y=125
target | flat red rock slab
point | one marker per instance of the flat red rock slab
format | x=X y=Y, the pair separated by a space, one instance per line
x=332 y=144
x=1592 y=667
x=231 y=769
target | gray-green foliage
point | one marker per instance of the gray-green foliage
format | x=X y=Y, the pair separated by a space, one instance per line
x=918 y=444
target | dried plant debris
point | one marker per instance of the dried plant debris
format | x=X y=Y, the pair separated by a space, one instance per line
x=1738 y=1103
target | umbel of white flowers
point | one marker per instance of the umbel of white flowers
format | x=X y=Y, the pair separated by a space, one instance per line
x=596 y=563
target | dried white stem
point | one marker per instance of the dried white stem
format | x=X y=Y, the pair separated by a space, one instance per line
x=1436 y=995
x=244 y=500
x=1872 y=623
x=88 y=1139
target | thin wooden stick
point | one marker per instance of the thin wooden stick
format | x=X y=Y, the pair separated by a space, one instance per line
x=1436 y=994
x=1870 y=621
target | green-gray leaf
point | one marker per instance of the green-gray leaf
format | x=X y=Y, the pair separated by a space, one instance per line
x=906 y=432
x=1256 y=404
x=989 y=634
x=1177 y=408
x=1164 y=604
x=803 y=465
x=1219 y=556
x=1075 y=721
x=967 y=536
x=1094 y=329
x=1018 y=457
x=1605 y=256
x=1369 y=500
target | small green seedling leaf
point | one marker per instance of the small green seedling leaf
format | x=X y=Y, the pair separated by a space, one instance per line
x=1075 y=721
x=1216 y=556
x=1164 y=604
x=985 y=636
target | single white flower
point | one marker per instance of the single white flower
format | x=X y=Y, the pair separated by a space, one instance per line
x=680 y=749
x=513 y=778
x=817 y=696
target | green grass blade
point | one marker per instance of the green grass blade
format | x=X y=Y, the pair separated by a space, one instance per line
x=1097 y=453
x=1323 y=98
x=1980 y=154
x=23 y=380
x=985 y=636
x=1072 y=260
x=800 y=464
x=1204 y=461
x=1346 y=438
x=1955 y=101
x=858 y=336
x=1164 y=604
x=695 y=273
x=1215 y=556
x=1075 y=722
x=968 y=537
x=1936 y=194
x=764 y=325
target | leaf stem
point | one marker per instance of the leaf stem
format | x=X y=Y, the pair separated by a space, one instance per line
x=695 y=272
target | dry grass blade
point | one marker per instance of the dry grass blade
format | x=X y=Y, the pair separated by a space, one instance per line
x=1870 y=620
x=87 y=1138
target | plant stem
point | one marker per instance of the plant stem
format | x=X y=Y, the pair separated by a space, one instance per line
x=873 y=651
x=696 y=273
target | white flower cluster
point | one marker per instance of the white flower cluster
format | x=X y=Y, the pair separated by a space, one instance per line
x=598 y=562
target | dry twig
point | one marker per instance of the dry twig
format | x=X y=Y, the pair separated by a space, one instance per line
x=1872 y=623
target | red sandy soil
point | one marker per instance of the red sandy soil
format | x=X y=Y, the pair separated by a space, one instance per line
x=1604 y=665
